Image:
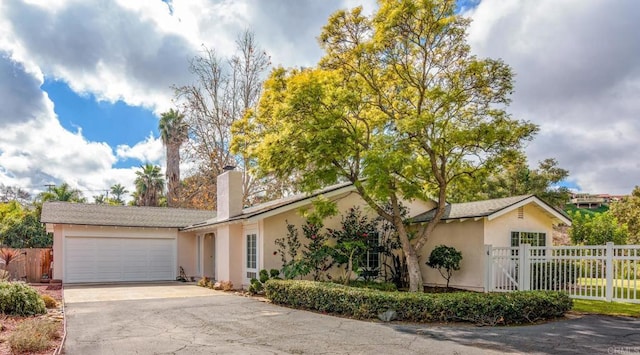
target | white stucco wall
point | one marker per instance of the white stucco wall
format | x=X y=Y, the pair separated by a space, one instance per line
x=498 y=231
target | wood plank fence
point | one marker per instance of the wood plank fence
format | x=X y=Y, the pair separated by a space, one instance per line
x=33 y=265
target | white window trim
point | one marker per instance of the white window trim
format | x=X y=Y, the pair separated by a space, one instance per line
x=245 y=257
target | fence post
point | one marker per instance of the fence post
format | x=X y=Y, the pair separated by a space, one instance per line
x=525 y=268
x=609 y=272
x=488 y=268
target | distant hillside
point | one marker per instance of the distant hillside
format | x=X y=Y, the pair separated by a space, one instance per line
x=592 y=211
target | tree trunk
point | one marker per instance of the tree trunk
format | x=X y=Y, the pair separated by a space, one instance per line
x=415 y=274
x=173 y=175
x=411 y=256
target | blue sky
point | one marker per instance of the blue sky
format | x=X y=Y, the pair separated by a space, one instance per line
x=115 y=123
x=83 y=82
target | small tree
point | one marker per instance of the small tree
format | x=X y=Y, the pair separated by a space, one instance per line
x=597 y=229
x=288 y=247
x=351 y=241
x=446 y=260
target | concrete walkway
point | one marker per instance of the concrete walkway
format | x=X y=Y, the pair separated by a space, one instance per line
x=221 y=323
x=130 y=292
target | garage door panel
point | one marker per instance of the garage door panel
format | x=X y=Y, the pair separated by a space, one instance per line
x=119 y=259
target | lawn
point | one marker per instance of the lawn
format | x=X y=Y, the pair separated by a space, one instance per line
x=608 y=308
x=621 y=288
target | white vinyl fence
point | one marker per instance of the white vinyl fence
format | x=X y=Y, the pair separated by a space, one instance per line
x=599 y=272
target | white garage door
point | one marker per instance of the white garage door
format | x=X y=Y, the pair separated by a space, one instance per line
x=119 y=259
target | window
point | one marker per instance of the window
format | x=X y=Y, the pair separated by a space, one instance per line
x=535 y=239
x=252 y=255
x=372 y=262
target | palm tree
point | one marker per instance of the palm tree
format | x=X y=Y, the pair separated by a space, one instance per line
x=99 y=199
x=149 y=185
x=118 y=191
x=64 y=192
x=173 y=131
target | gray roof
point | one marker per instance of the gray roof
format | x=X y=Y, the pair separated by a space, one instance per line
x=125 y=216
x=471 y=209
x=269 y=206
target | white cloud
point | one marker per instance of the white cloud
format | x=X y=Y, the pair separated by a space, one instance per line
x=150 y=150
x=577 y=76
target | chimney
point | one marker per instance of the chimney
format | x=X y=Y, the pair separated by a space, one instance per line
x=229 y=198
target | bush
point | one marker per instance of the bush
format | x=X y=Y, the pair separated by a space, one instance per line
x=477 y=308
x=381 y=286
x=33 y=335
x=49 y=301
x=446 y=260
x=18 y=298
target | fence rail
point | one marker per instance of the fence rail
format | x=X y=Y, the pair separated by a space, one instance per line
x=604 y=272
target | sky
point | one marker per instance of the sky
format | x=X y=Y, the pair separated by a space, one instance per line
x=82 y=83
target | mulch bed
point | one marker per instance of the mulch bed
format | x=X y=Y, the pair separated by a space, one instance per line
x=9 y=323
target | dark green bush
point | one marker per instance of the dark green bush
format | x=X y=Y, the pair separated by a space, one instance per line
x=18 y=298
x=381 y=286
x=477 y=308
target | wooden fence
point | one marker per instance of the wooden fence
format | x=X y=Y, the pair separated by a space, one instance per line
x=33 y=265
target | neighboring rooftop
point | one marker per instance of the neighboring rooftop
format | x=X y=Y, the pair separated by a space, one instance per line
x=472 y=209
x=126 y=216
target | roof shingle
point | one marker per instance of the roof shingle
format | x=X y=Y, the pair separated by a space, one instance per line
x=126 y=216
x=471 y=209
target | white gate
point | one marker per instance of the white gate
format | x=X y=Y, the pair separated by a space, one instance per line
x=604 y=272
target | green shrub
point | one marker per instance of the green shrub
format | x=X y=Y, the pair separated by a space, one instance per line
x=18 y=298
x=33 y=335
x=381 y=286
x=49 y=301
x=477 y=308
x=446 y=260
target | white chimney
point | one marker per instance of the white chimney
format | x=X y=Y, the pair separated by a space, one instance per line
x=229 y=186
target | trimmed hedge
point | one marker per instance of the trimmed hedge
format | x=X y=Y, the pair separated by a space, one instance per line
x=18 y=298
x=477 y=308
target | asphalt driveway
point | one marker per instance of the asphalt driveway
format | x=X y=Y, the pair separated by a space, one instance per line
x=185 y=319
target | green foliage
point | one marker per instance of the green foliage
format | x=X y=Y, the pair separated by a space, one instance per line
x=571 y=209
x=627 y=211
x=288 y=248
x=597 y=229
x=352 y=241
x=380 y=286
x=20 y=227
x=517 y=178
x=64 y=192
x=33 y=336
x=149 y=186
x=478 y=308
x=317 y=254
x=446 y=260
x=256 y=286
x=18 y=298
x=398 y=106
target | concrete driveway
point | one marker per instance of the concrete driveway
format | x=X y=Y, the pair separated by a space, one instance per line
x=186 y=319
x=152 y=319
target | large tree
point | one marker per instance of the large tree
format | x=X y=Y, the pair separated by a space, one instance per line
x=627 y=211
x=398 y=106
x=20 y=227
x=515 y=177
x=223 y=90
x=63 y=192
x=173 y=131
x=149 y=185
